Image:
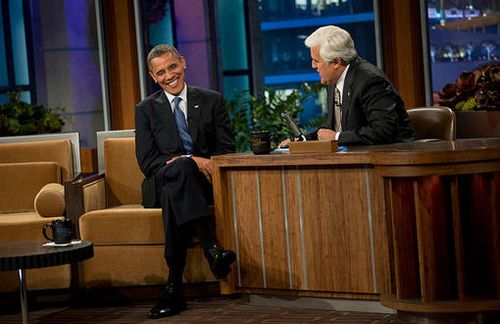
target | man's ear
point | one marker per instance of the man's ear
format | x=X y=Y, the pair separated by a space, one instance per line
x=183 y=62
x=336 y=62
x=153 y=76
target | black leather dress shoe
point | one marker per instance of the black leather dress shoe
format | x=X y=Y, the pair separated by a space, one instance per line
x=171 y=303
x=220 y=260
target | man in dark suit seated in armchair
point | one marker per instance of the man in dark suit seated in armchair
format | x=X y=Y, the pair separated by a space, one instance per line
x=177 y=129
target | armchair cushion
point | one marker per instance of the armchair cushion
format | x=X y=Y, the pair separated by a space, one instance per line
x=124 y=225
x=20 y=182
x=123 y=176
x=58 y=151
x=25 y=226
x=49 y=202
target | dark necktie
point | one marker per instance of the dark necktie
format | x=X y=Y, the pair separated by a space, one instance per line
x=338 y=112
x=186 y=139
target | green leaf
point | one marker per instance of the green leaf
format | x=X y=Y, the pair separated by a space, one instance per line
x=264 y=112
x=21 y=118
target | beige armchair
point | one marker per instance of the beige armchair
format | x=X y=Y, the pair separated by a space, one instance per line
x=28 y=164
x=128 y=239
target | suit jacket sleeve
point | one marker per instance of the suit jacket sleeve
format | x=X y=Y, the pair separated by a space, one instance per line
x=374 y=113
x=148 y=156
x=224 y=136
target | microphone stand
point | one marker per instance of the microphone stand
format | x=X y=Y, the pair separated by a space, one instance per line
x=298 y=136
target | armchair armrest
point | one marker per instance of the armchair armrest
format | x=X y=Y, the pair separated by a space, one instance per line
x=85 y=193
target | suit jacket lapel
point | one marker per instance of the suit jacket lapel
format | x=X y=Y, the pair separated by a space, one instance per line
x=163 y=110
x=347 y=92
x=193 y=112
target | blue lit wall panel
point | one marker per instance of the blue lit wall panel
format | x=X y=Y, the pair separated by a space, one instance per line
x=333 y=20
x=3 y=58
x=235 y=84
x=291 y=78
x=18 y=42
x=232 y=34
x=160 y=30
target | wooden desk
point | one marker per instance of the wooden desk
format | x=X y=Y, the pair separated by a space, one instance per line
x=413 y=225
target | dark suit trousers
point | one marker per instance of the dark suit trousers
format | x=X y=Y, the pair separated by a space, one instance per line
x=185 y=195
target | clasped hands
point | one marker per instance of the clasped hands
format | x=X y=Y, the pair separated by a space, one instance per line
x=323 y=135
x=204 y=165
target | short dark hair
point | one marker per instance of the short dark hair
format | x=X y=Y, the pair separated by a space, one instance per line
x=160 y=50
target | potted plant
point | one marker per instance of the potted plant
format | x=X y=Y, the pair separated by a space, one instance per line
x=22 y=118
x=476 y=90
x=264 y=113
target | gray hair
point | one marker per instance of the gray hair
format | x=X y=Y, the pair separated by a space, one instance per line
x=160 y=50
x=334 y=42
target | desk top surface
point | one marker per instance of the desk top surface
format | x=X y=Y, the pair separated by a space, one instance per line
x=32 y=254
x=414 y=153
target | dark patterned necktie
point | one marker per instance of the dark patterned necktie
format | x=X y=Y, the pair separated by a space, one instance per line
x=182 y=127
x=338 y=112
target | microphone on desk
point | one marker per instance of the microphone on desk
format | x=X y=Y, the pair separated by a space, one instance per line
x=297 y=134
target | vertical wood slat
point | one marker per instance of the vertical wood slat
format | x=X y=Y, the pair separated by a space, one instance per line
x=295 y=238
x=336 y=231
x=477 y=229
x=458 y=237
x=249 y=242
x=486 y=216
x=403 y=54
x=273 y=225
x=389 y=218
x=495 y=202
x=319 y=221
x=122 y=63
x=224 y=225
x=405 y=248
x=381 y=251
x=436 y=265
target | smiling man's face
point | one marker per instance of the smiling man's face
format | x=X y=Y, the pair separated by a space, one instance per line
x=168 y=71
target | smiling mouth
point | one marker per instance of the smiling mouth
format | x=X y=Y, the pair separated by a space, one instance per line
x=173 y=83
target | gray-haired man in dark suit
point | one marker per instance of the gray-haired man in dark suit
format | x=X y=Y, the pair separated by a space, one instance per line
x=363 y=106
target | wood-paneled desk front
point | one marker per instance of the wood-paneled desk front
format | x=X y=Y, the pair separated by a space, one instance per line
x=414 y=225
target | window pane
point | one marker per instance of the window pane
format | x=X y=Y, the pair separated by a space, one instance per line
x=280 y=10
x=285 y=52
x=18 y=42
x=4 y=81
x=232 y=34
x=25 y=96
x=68 y=66
x=463 y=36
x=285 y=24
